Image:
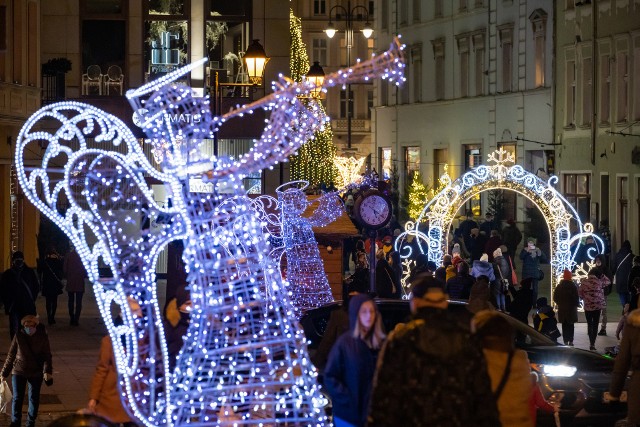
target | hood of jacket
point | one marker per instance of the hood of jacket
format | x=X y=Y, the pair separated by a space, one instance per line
x=482 y=267
x=355 y=303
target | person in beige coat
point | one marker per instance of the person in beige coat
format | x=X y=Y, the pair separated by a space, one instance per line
x=498 y=337
x=104 y=396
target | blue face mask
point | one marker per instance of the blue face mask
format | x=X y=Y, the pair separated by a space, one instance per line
x=29 y=330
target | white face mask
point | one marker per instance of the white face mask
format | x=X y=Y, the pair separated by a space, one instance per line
x=30 y=330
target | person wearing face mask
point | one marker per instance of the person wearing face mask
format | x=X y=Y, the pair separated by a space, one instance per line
x=29 y=360
x=19 y=288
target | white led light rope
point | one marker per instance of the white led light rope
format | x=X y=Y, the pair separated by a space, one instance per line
x=244 y=359
x=557 y=211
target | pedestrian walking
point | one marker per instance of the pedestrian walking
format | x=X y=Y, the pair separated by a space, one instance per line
x=29 y=360
x=441 y=272
x=565 y=295
x=385 y=285
x=511 y=237
x=532 y=257
x=502 y=272
x=52 y=282
x=352 y=361
x=591 y=291
x=104 y=396
x=634 y=277
x=494 y=242
x=75 y=273
x=627 y=360
x=601 y=264
x=19 y=289
x=430 y=372
x=508 y=368
x=621 y=269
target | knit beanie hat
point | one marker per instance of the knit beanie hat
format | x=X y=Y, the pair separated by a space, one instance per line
x=566 y=275
x=484 y=257
x=497 y=253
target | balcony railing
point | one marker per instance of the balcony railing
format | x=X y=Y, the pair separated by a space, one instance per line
x=357 y=125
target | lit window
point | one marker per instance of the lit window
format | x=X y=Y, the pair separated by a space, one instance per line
x=539 y=22
x=386 y=166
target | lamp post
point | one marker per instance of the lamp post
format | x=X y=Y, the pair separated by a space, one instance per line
x=349 y=14
x=255 y=59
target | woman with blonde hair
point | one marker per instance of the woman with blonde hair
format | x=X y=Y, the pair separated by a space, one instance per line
x=352 y=362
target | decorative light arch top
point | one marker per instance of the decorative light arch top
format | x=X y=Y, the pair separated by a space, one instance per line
x=501 y=174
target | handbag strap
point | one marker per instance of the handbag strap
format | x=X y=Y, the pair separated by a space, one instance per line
x=500 y=271
x=505 y=377
x=52 y=272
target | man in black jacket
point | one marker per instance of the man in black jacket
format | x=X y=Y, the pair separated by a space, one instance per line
x=19 y=288
x=430 y=372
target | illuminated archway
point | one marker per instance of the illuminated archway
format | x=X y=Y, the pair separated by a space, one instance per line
x=502 y=174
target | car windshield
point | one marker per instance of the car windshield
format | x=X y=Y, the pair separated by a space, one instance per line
x=526 y=336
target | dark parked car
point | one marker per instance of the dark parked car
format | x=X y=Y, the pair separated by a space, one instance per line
x=576 y=378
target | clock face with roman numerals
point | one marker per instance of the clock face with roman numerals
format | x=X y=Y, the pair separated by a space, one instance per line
x=374 y=210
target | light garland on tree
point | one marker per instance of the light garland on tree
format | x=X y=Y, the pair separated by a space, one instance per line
x=314 y=160
x=244 y=359
x=348 y=170
x=440 y=211
x=308 y=284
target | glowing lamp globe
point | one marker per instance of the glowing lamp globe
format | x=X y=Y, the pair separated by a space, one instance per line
x=255 y=60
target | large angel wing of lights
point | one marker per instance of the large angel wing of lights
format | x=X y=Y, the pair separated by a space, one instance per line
x=91 y=182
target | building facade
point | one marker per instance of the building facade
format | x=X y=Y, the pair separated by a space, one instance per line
x=598 y=112
x=479 y=77
x=113 y=46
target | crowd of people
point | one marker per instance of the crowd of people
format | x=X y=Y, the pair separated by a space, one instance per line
x=473 y=367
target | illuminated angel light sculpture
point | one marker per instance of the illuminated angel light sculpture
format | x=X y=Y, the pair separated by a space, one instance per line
x=308 y=284
x=244 y=360
x=501 y=174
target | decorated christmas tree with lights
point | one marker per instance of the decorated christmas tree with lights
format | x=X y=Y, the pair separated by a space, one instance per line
x=314 y=161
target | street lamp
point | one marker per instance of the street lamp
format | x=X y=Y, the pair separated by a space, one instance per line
x=316 y=76
x=255 y=59
x=348 y=15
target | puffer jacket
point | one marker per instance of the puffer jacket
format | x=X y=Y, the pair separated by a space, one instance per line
x=29 y=355
x=591 y=291
x=629 y=359
x=483 y=268
x=432 y=373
